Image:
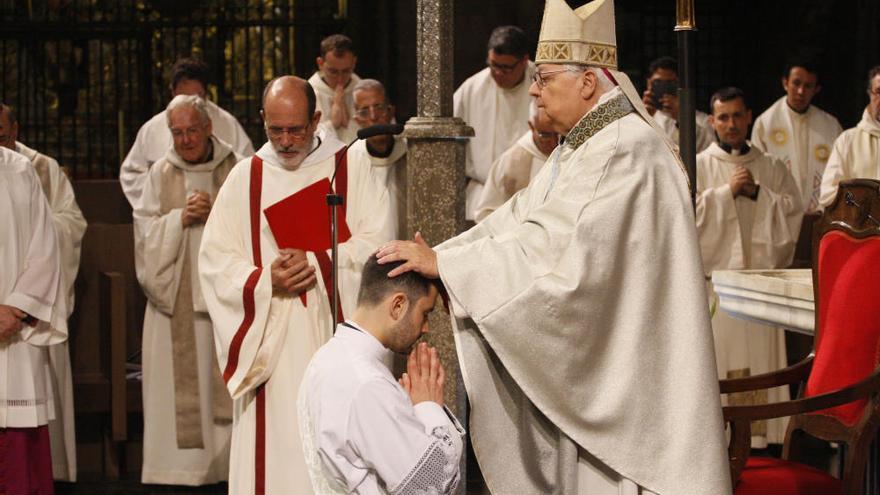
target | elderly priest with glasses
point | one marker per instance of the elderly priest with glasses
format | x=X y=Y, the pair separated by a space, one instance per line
x=582 y=327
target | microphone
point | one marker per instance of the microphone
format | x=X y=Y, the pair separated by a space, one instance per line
x=365 y=133
x=335 y=200
x=378 y=130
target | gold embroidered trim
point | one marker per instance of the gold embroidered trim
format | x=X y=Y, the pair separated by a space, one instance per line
x=597 y=119
x=577 y=52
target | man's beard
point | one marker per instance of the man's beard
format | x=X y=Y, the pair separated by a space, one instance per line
x=294 y=161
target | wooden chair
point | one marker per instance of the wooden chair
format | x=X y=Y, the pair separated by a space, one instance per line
x=840 y=380
x=105 y=331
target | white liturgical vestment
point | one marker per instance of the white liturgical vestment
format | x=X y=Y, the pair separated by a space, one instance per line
x=802 y=141
x=361 y=433
x=705 y=133
x=855 y=155
x=154 y=138
x=743 y=233
x=70 y=227
x=390 y=171
x=325 y=95
x=499 y=116
x=264 y=341
x=512 y=171
x=31 y=282
x=165 y=253
x=583 y=332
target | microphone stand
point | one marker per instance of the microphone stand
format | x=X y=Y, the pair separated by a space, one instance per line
x=334 y=201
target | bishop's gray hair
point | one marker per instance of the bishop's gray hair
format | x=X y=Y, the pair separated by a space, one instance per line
x=369 y=85
x=188 y=101
x=605 y=84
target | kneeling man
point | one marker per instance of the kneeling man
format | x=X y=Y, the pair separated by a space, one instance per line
x=363 y=431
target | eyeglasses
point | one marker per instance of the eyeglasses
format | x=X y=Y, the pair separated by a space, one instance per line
x=540 y=78
x=190 y=132
x=502 y=68
x=297 y=133
x=378 y=110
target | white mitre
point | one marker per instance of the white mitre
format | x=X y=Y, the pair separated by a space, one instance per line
x=588 y=36
x=585 y=36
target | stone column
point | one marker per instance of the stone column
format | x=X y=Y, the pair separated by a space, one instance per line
x=435 y=166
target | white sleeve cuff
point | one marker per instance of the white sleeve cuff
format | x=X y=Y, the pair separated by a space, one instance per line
x=431 y=415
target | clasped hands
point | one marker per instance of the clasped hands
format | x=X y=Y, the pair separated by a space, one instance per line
x=424 y=376
x=10 y=321
x=338 y=110
x=197 y=209
x=742 y=183
x=291 y=273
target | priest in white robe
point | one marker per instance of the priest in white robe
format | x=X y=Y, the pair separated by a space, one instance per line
x=856 y=152
x=799 y=133
x=517 y=166
x=266 y=279
x=363 y=431
x=334 y=84
x=495 y=102
x=582 y=326
x=664 y=107
x=188 y=77
x=386 y=154
x=30 y=322
x=748 y=217
x=70 y=227
x=187 y=410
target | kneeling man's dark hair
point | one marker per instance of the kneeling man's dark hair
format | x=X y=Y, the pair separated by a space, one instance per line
x=376 y=285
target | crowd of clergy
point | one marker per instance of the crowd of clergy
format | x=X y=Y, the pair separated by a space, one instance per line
x=239 y=296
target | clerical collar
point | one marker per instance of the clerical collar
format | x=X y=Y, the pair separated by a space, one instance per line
x=795 y=110
x=729 y=149
x=597 y=119
x=372 y=151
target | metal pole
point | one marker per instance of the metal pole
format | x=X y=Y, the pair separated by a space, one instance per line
x=687 y=125
x=334 y=200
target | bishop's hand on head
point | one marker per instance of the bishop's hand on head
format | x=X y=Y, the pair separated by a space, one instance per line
x=416 y=254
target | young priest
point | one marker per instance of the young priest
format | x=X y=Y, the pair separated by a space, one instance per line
x=363 y=431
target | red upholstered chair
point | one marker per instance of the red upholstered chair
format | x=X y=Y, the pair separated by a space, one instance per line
x=839 y=381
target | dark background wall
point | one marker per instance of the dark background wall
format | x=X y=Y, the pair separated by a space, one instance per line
x=85 y=74
x=745 y=43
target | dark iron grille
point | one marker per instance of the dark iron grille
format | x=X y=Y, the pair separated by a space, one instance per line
x=84 y=75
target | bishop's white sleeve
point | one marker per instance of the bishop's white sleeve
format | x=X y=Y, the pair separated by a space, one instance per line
x=412 y=449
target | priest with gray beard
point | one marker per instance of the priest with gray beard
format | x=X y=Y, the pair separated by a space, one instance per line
x=581 y=321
